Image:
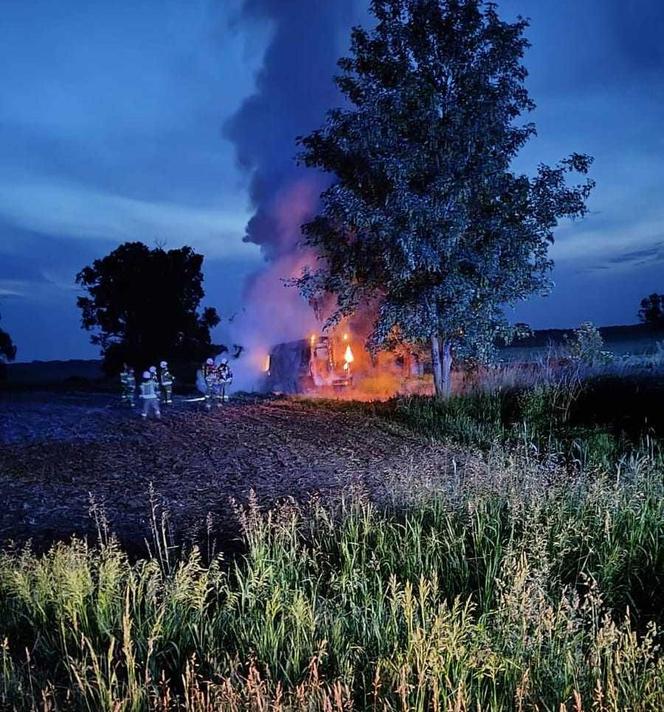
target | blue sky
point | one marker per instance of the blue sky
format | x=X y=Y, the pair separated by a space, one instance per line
x=123 y=121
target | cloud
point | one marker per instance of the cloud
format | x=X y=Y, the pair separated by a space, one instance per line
x=638 y=257
x=13 y=288
x=84 y=213
x=29 y=290
x=614 y=244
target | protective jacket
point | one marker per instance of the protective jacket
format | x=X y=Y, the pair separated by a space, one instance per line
x=148 y=390
x=224 y=373
x=209 y=373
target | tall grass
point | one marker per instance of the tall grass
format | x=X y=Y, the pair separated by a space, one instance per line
x=546 y=417
x=485 y=419
x=523 y=587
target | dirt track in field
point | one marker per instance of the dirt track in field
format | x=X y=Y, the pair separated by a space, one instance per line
x=55 y=459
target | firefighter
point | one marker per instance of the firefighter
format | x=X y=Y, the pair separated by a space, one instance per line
x=128 y=385
x=155 y=378
x=225 y=377
x=149 y=396
x=166 y=382
x=210 y=378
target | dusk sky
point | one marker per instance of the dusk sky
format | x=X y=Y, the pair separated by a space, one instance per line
x=146 y=120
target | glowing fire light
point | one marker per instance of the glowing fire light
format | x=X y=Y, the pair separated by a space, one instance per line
x=267 y=364
x=348 y=356
x=345 y=337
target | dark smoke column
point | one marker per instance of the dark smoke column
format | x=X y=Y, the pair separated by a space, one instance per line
x=294 y=90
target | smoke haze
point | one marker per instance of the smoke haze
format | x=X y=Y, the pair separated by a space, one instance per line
x=294 y=90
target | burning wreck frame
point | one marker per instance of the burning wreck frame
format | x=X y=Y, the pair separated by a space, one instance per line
x=337 y=364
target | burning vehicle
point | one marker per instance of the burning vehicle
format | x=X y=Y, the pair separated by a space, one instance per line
x=337 y=364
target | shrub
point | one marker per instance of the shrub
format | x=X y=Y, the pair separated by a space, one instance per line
x=586 y=346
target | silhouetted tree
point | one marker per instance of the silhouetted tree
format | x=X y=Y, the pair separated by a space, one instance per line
x=7 y=352
x=652 y=310
x=7 y=347
x=426 y=219
x=143 y=306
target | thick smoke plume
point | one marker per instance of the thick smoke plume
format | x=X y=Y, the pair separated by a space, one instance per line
x=294 y=90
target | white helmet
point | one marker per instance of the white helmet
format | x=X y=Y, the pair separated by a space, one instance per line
x=146 y=375
x=163 y=364
x=224 y=361
x=153 y=369
x=210 y=362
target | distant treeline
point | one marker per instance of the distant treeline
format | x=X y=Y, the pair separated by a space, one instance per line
x=633 y=339
x=42 y=373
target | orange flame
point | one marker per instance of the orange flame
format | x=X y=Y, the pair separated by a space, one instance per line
x=267 y=364
x=348 y=356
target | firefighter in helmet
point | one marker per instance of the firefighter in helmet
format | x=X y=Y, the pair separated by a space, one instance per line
x=225 y=378
x=155 y=377
x=210 y=377
x=149 y=396
x=166 y=382
x=128 y=385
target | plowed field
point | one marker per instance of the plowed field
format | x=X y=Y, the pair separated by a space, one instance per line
x=58 y=454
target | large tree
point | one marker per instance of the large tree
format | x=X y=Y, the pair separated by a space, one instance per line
x=426 y=221
x=652 y=310
x=143 y=306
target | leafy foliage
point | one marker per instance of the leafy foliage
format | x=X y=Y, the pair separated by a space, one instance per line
x=586 y=346
x=652 y=310
x=426 y=221
x=143 y=306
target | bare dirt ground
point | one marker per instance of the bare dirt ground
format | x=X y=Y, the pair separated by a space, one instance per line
x=57 y=453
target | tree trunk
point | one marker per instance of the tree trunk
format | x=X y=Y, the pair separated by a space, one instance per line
x=437 y=366
x=447 y=369
x=441 y=368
